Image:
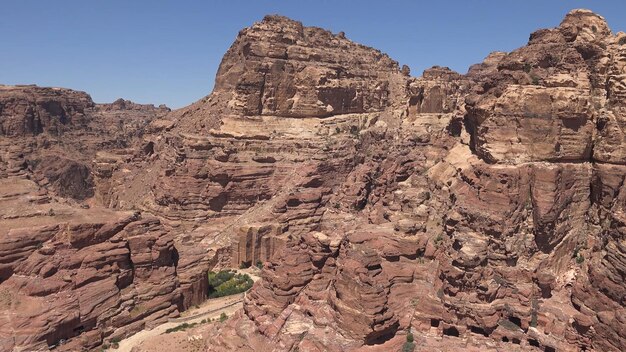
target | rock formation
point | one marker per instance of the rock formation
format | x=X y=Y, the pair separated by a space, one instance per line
x=31 y=110
x=478 y=219
x=477 y=212
x=72 y=272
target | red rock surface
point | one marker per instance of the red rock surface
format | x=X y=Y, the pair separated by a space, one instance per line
x=31 y=110
x=279 y=67
x=487 y=240
x=479 y=212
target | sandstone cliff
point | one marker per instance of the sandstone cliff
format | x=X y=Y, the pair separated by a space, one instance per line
x=478 y=212
x=484 y=209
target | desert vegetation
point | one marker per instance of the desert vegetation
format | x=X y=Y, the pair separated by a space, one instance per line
x=228 y=282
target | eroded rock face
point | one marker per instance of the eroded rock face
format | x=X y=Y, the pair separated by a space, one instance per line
x=261 y=174
x=279 y=67
x=31 y=110
x=479 y=211
x=502 y=232
x=66 y=177
x=72 y=273
x=81 y=275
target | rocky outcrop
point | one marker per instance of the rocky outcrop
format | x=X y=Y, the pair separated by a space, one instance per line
x=543 y=102
x=73 y=274
x=31 y=110
x=73 y=277
x=124 y=104
x=260 y=169
x=478 y=212
x=504 y=183
x=65 y=177
x=280 y=67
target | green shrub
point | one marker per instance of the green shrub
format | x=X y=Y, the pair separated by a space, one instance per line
x=534 y=79
x=409 y=337
x=226 y=283
x=408 y=347
x=223 y=317
x=527 y=67
x=580 y=258
x=259 y=264
x=181 y=327
x=216 y=279
x=533 y=313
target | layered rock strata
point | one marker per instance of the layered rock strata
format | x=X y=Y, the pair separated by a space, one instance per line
x=494 y=227
x=478 y=212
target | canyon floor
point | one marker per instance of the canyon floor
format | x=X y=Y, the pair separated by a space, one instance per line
x=483 y=211
x=154 y=340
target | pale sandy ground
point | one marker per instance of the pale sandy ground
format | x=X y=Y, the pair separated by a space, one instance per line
x=212 y=308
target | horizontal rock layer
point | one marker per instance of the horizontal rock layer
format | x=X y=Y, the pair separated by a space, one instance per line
x=479 y=211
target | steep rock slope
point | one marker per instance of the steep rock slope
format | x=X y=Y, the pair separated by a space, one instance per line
x=479 y=211
x=72 y=272
x=31 y=110
x=253 y=172
x=504 y=235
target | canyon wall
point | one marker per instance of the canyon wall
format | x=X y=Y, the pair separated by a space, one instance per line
x=479 y=211
x=482 y=213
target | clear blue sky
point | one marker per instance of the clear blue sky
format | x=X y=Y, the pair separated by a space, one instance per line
x=153 y=51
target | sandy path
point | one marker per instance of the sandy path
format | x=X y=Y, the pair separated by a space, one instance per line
x=212 y=308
